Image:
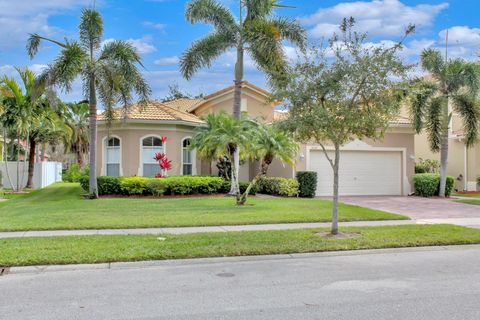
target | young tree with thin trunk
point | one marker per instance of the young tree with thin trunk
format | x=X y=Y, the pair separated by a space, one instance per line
x=109 y=72
x=256 y=31
x=352 y=95
x=76 y=118
x=453 y=87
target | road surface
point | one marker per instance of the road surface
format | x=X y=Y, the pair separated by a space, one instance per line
x=433 y=283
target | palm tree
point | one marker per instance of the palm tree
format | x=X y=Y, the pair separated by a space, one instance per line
x=270 y=142
x=22 y=115
x=111 y=71
x=222 y=136
x=76 y=118
x=256 y=31
x=453 y=88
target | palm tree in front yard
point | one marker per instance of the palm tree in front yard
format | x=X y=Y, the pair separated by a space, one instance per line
x=269 y=143
x=453 y=89
x=109 y=71
x=256 y=31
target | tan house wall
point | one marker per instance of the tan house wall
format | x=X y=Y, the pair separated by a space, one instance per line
x=130 y=137
x=456 y=160
x=256 y=105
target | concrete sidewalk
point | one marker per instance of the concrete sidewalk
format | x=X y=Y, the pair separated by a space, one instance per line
x=185 y=230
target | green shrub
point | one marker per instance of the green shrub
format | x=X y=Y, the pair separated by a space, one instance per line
x=307 y=181
x=226 y=185
x=74 y=173
x=428 y=184
x=426 y=166
x=109 y=185
x=278 y=186
x=84 y=182
x=156 y=187
x=133 y=185
x=193 y=185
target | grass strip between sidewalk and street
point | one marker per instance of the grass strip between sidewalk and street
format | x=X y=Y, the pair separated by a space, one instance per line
x=61 y=207
x=98 y=249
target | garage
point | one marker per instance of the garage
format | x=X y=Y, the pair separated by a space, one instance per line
x=362 y=172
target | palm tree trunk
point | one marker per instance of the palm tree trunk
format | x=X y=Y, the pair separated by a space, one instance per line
x=5 y=158
x=42 y=156
x=31 y=162
x=93 y=138
x=336 y=166
x=241 y=200
x=443 y=164
x=237 y=101
x=80 y=160
x=17 y=187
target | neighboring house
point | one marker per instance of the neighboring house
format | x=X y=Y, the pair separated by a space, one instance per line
x=463 y=162
x=127 y=147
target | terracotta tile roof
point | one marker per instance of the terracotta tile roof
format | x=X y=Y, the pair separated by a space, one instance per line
x=280 y=115
x=184 y=104
x=153 y=110
x=402 y=120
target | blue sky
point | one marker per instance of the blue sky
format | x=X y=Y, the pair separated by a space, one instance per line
x=159 y=31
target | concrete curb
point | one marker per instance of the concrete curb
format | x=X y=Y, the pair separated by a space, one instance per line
x=36 y=270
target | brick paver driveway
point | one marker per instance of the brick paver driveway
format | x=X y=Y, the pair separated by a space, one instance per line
x=418 y=208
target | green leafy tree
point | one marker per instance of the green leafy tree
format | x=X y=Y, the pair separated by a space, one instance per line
x=269 y=143
x=334 y=100
x=256 y=30
x=110 y=72
x=453 y=87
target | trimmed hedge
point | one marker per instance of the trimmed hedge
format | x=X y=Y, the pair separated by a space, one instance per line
x=226 y=185
x=278 y=186
x=428 y=184
x=307 y=181
x=182 y=185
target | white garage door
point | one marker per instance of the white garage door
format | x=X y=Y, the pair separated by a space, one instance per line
x=361 y=172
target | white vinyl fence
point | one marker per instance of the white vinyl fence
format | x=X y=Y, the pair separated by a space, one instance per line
x=45 y=174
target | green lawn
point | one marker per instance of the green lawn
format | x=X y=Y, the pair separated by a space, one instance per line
x=473 y=201
x=61 y=207
x=467 y=195
x=97 y=249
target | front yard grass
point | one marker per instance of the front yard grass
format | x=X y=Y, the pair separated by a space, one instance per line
x=61 y=206
x=468 y=195
x=473 y=201
x=98 y=249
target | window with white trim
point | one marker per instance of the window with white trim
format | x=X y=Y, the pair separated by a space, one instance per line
x=150 y=146
x=187 y=158
x=112 y=153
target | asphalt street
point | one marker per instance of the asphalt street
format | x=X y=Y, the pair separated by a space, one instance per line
x=434 y=283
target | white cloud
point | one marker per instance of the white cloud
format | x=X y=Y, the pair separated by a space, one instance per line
x=378 y=17
x=143 y=45
x=19 y=18
x=158 y=26
x=461 y=35
x=167 y=61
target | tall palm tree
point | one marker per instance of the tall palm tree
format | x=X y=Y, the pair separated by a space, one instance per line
x=453 y=88
x=76 y=118
x=109 y=71
x=269 y=143
x=256 y=30
x=222 y=136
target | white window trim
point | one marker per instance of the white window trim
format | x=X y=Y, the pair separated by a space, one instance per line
x=104 y=154
x=194 y=158
x=140 y=149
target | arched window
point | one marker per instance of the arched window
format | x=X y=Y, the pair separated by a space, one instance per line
x=187 y=158
x=150 y=146
x=112 y=157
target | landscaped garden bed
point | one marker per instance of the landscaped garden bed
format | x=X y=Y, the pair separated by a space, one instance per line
x=97 y=249
x=61 y=206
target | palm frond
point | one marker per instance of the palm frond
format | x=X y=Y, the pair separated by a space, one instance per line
x=210 y=11
x=290 y=30
x=432 y=61
x=34 y=41
x=420 y=94
x=67 y=66
x=436 y=120
x=91 y=29
x=202 y=53
x=469 y=110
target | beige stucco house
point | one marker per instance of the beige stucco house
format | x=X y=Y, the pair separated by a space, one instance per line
x=463 y=162
x=127 y=147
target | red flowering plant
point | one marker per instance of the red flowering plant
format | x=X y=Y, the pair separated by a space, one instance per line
x=163 y=162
